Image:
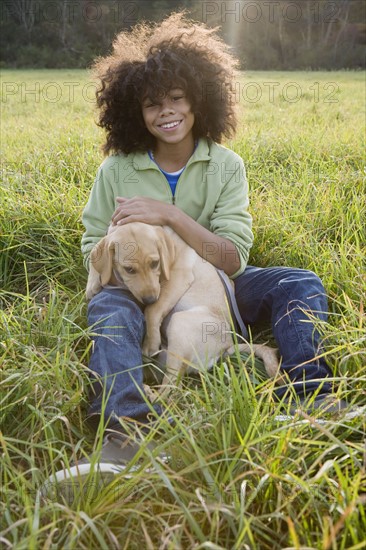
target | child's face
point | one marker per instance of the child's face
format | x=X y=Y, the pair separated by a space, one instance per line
x=170 y=120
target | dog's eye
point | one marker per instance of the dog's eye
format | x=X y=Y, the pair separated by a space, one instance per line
x=130 y=270
x=154 y=264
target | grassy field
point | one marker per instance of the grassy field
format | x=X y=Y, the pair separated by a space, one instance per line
x=238 y=478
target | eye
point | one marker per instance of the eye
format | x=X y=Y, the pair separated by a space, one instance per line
x=154 y=264
x=147 y=103
x=176 y=94
x=130 y=270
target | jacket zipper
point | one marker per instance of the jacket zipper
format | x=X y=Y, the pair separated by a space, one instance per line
x=169 y=188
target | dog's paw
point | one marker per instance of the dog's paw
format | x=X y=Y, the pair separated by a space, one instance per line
x=150 y=393
x=151 y=345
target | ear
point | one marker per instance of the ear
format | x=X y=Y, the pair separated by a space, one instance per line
x=166 y=251
x=101 y=257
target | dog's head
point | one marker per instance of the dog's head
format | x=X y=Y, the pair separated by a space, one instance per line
x=140 y=254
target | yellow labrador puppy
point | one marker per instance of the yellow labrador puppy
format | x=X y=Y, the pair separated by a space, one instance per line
x=185 y=301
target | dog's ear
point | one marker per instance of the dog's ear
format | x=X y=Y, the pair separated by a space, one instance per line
x=102 y=259
x=166 y=251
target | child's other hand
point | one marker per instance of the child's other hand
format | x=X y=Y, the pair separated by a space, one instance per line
x=142 y=209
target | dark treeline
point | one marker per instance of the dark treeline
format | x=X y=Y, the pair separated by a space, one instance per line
x=272 y=34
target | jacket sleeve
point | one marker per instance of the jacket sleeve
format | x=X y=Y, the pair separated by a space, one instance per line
x=97 y=213
x=231 y=218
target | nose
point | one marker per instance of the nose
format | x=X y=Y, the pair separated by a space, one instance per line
x=166 y=107
x=149 y=300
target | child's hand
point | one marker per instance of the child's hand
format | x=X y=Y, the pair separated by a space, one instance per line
x=142 y=209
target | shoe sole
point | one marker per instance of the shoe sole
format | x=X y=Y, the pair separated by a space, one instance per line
x=66 y=482
x=356 y=412
x=83 y=470
x=82 y=481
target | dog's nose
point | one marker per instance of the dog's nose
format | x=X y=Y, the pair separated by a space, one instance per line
x=149 y=300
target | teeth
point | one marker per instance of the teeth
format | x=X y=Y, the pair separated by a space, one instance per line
x=170 y=124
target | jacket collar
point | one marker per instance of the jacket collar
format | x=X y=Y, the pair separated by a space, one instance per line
x=142 y=161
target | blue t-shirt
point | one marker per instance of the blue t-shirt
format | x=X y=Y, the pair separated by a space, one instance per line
x=172 y=177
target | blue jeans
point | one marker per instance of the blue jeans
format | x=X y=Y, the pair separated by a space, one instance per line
x=283 y=296
x=118 y=327
x=288 y=298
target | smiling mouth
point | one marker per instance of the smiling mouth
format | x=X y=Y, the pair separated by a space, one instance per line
x=170 y=125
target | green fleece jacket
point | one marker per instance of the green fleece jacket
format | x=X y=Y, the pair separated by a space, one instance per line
x=212 y=190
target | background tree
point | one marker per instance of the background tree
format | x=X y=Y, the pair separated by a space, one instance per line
x=301 y=34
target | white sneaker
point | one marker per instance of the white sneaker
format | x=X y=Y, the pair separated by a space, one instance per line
x=88 y=476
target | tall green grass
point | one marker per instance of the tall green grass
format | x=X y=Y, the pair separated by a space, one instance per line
x=238 y=478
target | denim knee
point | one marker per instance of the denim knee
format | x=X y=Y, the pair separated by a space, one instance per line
x=294 y=274
x=305 y=288
x=117 y=315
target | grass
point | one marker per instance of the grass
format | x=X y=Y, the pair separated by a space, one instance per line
x=238 y=478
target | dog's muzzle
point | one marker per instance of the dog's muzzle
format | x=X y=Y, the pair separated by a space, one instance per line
x=149 y=300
